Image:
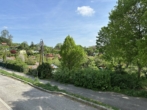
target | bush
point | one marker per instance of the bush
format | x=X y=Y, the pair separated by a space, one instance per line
x=100 y=79
x=62 y=75
x=92 y=79
x=16 y=65
x=44 y=70
x=30 y=61
x=126 y=81
x=33 y=72
x=88 y=78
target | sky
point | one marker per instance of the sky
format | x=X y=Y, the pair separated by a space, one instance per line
x=53 y=20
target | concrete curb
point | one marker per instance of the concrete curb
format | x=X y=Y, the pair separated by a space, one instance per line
x=64 y=94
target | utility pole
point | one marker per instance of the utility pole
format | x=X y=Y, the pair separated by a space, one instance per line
x=41 y=52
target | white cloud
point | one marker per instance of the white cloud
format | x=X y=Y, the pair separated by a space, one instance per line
x=5 y=27
x=85 y=11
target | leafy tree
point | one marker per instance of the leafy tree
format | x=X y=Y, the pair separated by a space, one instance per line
x=4 y=33
x=47 y=49
x=32 y=45
x=58 y=46
x=5 y=37
x=125 y=37
x=72 y=56
x=23 y=45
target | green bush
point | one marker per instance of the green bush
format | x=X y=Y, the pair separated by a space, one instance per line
x=44 y=70
x=30 y=61
x=33 y=72
x=88 y=78
x=16 y=65
x=126 y=81
x=62 y=75
x=92 y=79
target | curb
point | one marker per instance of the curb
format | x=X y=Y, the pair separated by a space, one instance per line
x=64 y=94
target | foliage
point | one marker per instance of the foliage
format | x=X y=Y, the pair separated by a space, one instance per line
x=16 y=65
x=23 y=46
x=4 y=56
x=126 y=81
x=124 y=38
x=33 y=72
x=13 y=51
x=48 y=49
x=30 y=61
x=90 y=50
x=44 y=70
x=49 y=87
x=29 y=52
x=55 y=61
x=100 y=79
x=88 y=78
x=62 y=75
x=72 y=56
x=6 y=37
x=58 y=46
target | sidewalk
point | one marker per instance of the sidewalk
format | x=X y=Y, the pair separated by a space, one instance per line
x=4 y=106
x=120 y=101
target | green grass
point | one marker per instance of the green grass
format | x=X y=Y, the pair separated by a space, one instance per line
x=54 y=88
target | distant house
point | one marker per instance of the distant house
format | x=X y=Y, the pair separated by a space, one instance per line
x=51 y=56
x=3 y=43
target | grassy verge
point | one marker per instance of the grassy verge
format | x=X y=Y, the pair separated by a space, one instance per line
x=49 y=87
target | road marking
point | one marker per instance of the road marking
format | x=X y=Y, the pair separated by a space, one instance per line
x=5 y=104
x=40 y=108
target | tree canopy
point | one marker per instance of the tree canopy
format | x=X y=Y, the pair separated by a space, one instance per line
x=125 y=36
x=72 y=56
x=5 y=37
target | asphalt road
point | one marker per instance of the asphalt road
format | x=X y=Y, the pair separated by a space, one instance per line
x=21 y=96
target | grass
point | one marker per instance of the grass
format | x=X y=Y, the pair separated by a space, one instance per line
x=54 y=88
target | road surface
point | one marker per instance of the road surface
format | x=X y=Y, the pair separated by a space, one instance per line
x=20 y=96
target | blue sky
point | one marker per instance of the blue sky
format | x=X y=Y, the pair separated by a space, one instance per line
x=53 y=20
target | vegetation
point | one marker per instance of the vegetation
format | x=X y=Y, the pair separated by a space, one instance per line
x=124 y=39
x=49 y=87
x=72 y=56
x=44 y=70
x=16 y=65
x=117 y=62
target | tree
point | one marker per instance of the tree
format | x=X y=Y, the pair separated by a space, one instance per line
x=23 y=45
x=58 y=46
x=72 y=56
x=32 y=45
x=4 y=33
x=125 y=37
x=5 y=37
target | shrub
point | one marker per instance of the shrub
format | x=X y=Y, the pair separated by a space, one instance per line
x=30 y=61
x=92 y=79
x=33 y=72
x=88 y=78
x=126 y=81
x=16 y=65
x=13 y=51
x=62 y=75
x=44 y=70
